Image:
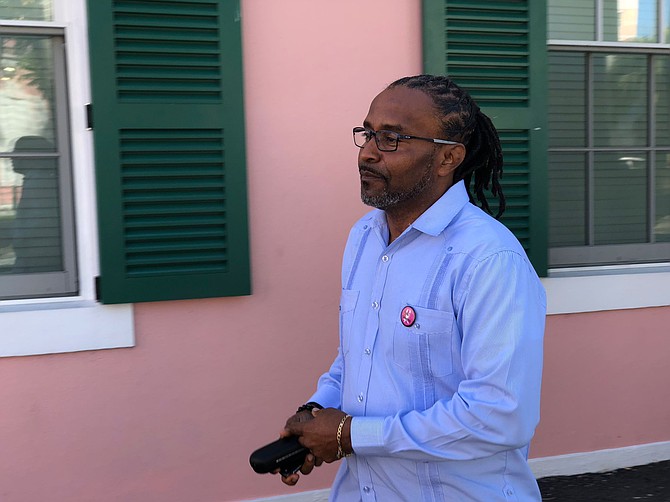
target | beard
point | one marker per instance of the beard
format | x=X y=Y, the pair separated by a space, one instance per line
x=388 y=199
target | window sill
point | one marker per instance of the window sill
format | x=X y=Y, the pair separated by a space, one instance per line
x=63 y=325
x=592 y=289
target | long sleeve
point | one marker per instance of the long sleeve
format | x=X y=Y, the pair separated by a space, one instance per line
x=328 y=393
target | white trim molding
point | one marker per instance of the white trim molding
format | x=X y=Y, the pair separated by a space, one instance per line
x=600 y=460
x=630 y=289
x=52 y=328
x=313 y=496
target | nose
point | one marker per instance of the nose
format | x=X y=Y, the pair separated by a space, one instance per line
x=370 y=152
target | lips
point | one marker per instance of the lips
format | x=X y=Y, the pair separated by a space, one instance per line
x=369 y=175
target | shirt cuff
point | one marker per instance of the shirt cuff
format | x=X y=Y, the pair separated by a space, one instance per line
x=367 y=436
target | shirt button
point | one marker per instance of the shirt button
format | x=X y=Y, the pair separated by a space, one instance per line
x=368 y=351
x=366 y=489
x=375 y=305
x=385 y=258
x=360 y=397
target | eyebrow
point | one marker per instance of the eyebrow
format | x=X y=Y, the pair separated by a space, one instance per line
x=385 y=127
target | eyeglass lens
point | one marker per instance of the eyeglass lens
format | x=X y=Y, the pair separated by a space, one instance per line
x=387 y=141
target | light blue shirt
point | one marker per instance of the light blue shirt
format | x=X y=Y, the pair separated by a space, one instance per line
x=443 y=409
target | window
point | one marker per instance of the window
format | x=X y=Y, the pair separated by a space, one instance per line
x=609 y=132
x=59 y=320
x=37 y=238
x=157 y=186
x=168 y=137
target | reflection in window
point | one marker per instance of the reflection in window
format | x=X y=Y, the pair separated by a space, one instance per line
x=620 y=202
x=26 y=10
x=36 y=236
x=571 y=19
x=630 y=21
x=620 y=100
x=567 y=199
x=30 y=239
x=662 y=223
x=567 y=94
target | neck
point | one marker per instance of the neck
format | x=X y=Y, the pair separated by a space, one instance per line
x=400 y=217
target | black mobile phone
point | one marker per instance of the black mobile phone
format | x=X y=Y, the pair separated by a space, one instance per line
x=285 y=454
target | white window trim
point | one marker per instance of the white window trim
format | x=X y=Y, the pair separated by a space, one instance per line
x=54 y=325
x=592 y=289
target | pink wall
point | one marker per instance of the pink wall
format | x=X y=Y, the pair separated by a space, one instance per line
x=605 y=381
x=176 y=417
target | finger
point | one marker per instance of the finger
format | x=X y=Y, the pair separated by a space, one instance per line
x=308 y=465
x=294 y=428
x=318 y=461
x=291 y=479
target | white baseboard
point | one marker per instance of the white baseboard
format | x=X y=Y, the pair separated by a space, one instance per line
x=600 y=460
x=560 y=465
x=313 y=496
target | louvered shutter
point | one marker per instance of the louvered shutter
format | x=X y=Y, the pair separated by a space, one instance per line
x=496 y=49
x=169 y=149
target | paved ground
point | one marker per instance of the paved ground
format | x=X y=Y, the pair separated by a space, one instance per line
x=647 y=482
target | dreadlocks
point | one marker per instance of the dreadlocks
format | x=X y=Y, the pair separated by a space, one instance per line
x=463 y=121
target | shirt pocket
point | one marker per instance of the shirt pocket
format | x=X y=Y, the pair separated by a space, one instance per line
x=348 y=301
x=426 y=345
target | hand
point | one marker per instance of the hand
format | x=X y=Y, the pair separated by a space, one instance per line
x=301 y=416
x=319 y=434
x=310 y=460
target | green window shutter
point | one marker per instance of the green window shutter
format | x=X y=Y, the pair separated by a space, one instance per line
x=496 y=49
x=168 y=126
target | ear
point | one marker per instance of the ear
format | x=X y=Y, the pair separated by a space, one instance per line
x=451 y=158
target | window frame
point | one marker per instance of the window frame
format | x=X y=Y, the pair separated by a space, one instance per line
x=65 y=282
x=619 y=254
x=76 y=323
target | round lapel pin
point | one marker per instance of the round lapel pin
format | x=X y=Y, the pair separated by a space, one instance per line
x=407 y=316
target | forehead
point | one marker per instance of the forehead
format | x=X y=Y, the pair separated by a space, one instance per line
x=403 y=109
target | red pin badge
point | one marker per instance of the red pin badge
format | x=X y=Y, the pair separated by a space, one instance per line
x=407 y=316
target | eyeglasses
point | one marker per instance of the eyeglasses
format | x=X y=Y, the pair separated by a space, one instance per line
x=387 y=141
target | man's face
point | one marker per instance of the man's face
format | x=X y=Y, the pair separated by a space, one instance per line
x=405 y=177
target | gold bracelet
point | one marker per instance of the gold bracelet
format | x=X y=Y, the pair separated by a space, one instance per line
x=340 y=451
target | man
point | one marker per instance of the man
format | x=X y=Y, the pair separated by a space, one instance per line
x=434 y=394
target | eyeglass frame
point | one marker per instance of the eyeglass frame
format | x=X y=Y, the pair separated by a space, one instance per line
x=400 y=136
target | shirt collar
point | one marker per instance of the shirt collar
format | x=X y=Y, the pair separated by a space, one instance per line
x=438 y=216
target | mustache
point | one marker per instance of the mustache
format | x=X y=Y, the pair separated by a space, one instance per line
x=363 y=168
